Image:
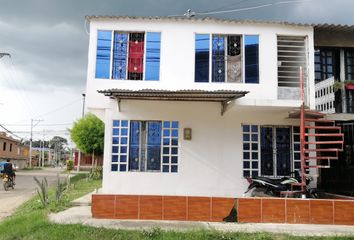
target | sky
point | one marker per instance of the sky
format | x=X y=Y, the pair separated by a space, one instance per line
x=46 y=75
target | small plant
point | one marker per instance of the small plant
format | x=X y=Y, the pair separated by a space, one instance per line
x=152 y=233
x=59 y=190
x=43 y=191
x=337 y=85
x=69 y=165
x=96 y=173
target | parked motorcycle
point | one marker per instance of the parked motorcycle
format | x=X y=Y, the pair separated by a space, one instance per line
x=7 y=182
x=265 y=186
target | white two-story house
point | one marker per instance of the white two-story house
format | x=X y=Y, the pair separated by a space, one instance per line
x=191 y=107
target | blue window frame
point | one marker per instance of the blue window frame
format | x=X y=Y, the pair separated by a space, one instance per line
x=103 y=54
x=134 y=56
x=145 y=146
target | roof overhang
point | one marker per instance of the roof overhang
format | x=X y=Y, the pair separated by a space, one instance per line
x=225 y=97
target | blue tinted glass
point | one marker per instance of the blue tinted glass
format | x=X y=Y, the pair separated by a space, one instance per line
x=254 y=137
x=154 y=146
x=123 y=149
x=124 y=123
x=202 y=42
x=134 y=145
x=174 y=159
x=115 y=158
x=246 y=173
x=246 y=128
x=246 y=146
x=174 y=168
x=297 y=147
x=174 y=141
x=255 y=128
x=165 y=168
x=246 y=155
x=175 y=124
x=123 y=140
x=123 y=168
x=103 y=55
x=166 y=132
x=166 y=159
x=254 y=173
x=166 y=150
x=254 y=146
x=246 y=164
x=152 y=60
x=114 y=167
x=114 y=149
x=166 y=124
x=123 y=158
x=174 y=150
x=254 y=165
x=124 y=132
x=115 y=131
x=251 y=59
x=246 y=137
x=115 y=123
x=218 y=58
x=166 y=141
x=120 y=46
x=174 y=133
x=255 y=155
x=115 y=140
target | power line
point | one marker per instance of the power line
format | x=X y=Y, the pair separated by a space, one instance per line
x=7 y=130
x=46 y=125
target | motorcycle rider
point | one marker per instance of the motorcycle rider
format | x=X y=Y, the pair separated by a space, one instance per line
x=8 y=169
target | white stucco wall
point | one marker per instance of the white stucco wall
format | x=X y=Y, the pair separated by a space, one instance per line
x=178 y=54
x=209 y=165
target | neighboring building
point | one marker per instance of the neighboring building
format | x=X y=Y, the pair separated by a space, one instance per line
x=86 y=162
x=12 y=149
x=192 y=107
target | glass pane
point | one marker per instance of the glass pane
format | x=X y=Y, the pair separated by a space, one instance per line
x=266 y=151
x=166 y=124
x=165 y=168
x=123 y=168
x=246 y=164
x=115 y=123
x=115 y=131
x=152 y=59
x=114 y=149
x=166 y=141
x=218 y=58
x=115 y=140
x=166 y=159
x=234 y=61
x=283 y=151
x=134 y=145
x=103 y=55
x=114 y=167
x=246 y=128
x=154 y=145
x=175 y=124
x=251 y=59
x=202 y=57
x=174 y=159
x=115 y=158
x=174 y=168
x=136 y=56
x=125 y=123
x=174 y=141
x=120 y=46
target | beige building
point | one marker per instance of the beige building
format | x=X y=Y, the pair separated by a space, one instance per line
x=12 y=149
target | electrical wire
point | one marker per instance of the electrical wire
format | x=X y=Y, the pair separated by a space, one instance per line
x=10 y=132
x=48 y=124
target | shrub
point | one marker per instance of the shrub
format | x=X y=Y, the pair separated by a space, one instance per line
x=69 y=165
x=96 y=173
x=43 y=192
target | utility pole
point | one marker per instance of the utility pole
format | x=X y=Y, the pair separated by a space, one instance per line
x=83 y=113
x=34 y=123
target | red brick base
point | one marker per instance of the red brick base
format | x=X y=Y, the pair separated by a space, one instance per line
x=161 y=207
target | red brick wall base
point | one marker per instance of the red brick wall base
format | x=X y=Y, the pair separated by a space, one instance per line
x=180 y=208
x=310 y=211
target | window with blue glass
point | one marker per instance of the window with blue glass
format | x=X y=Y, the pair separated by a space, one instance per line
x=120 y=146
x=145 y=146
x=250 y=150
x=134 y=56
x=225 y=55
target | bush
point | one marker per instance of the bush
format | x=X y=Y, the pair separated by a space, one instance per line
x=69 y=165
x=96 y=173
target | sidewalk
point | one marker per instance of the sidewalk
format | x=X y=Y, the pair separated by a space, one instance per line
x=82 y=215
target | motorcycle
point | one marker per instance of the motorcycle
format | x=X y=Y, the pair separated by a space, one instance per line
x=265 y=187
x=7 y=182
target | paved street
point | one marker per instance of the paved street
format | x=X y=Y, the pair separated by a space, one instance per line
x=24 y=189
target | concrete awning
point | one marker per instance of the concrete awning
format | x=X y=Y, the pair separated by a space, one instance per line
x=222 y=96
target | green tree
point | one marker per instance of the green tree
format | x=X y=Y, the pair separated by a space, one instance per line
x=88 y=135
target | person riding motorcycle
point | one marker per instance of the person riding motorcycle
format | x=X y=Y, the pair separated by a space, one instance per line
x=8 y=169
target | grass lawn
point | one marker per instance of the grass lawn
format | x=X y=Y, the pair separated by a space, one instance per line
x=31 y=222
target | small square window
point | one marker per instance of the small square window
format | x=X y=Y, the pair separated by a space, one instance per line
x=175 y=124
x=114 y=158
x=297 y=147
x=123 y=140
x=246 y=173
x=174 y=159
x=123 y=149
x=124 y=123
x=255 y=137
x=166 y=133
x=166 y=150
x=115 y=123
x=246 y=137
x=114 y=167
x=246 y=128
x=166 y=141
x=254 y=128
x=123 y=168
x=174 y=141
x=114 y=149
x=166 y=159
x=254 y=146
x=246 y=146
x=296 y=138
x=115 y=131
x=165 y=168
x=123 y=158
x=174 y=168
x=124 y=131
x=115 y=140
x=166 y=124
x=254 y=165
x=174 y=151
x=255 y=155
x=297 y=165
x=246 y=164
x=254 y=173
x=246 y=155
x=296 y=156
x=174 y=133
